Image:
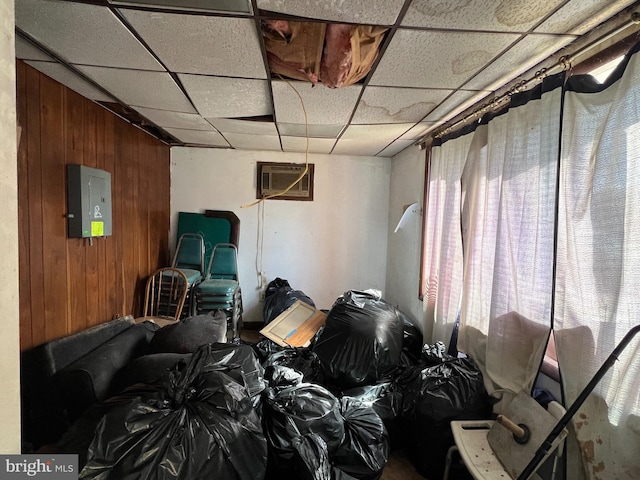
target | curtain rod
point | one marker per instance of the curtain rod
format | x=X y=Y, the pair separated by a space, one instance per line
x=563 y=63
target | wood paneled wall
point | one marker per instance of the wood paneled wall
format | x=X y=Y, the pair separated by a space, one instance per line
x=67 y=285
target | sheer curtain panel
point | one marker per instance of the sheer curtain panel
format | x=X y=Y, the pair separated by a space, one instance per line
x=598 y=267
x=443 y=254
x=508 y=213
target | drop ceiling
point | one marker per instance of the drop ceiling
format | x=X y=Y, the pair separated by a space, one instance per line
x=194 y=72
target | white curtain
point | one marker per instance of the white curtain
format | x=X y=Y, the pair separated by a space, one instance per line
x=598 y=271
x=508 y=212
x=443 y=253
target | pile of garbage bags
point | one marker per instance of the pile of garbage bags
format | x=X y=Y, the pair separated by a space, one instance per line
x=333 y=410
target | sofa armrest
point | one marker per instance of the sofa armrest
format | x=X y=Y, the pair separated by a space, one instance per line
x=88 y=379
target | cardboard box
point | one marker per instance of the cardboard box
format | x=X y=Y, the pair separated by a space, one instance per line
x=296 y=326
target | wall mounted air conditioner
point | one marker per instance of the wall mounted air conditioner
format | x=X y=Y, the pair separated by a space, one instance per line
x=275 y=178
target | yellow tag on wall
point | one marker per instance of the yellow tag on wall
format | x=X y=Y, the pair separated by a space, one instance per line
x=97 y=229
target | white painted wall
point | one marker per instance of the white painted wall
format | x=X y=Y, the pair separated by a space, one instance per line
x=325 y=247
x=9 y=305
x=403 y=254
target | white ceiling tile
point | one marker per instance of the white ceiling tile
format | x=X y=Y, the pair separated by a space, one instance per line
x=417 y=131
x=324 y=106
x=83 y=33
x=227 y=97
x=315 y=131
x=455 y=104
x=141 y=89
x=27 y=51
x=164 y=118
x=396 y=105
x=202 y=44
x=524 y=55
x=488 y=15
x=198 y=137
x=299 y=144
x=253 y=142
x=395 y=148
x=429 y=59
x=62 y=74
x=369 y=139
x=370 y=12
x=360 y=146
x=579 y=16
x=251 y=127
x=227 y=6
x=382 y=133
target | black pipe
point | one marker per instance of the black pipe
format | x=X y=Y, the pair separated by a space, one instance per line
x=544 y=448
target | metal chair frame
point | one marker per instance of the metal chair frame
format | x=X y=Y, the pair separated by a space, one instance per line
x=184 y=260
x=231 y=301
x=165 y=294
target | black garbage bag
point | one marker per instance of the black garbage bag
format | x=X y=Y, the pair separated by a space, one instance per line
x=303 y=360
x=198 y=423
x=279 y=376
x=299 y=410
x=280 y=296
x=265 y=348
x=243 y=357
x=411 y=340
x=364 y=451
x=311 y=458
x=434 y=354
x=385 y=398
x=361 y=341
x=433 y=396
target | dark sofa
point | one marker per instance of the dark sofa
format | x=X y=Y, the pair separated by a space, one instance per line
x=62 y=378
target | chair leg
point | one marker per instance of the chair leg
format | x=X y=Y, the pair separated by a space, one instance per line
x=448 y=460
x=236 y=314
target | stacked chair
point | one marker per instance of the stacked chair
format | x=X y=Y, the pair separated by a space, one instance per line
x=165 y=295
x=220 y=290
x=190 y=260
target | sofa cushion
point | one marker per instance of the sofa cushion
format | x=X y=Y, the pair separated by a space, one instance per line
x=88 y=379
x=189 y=334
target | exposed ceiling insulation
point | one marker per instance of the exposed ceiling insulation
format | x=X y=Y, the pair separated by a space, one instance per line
x=202 y=72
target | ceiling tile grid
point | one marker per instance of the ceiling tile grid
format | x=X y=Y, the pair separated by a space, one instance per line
x=577 y=17
x=227 y=97
x=315 y=145
x=396 y=105
x=167 y=119
x=83 y=34
x=322 y=106
x=531 y=49
x=141 y=88
x=253 y=142
x=67 y=77
x=487 y=15
x=198 y=70
x=366 y=12
x=199 y=137
x=249 y=127
x=208 y=45
x=430 y=59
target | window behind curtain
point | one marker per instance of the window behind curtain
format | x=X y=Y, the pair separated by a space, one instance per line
x=598 y=267
x=508 y=213
x=443 y=253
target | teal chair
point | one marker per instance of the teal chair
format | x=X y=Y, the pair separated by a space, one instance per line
x=220 y=290
x=189 y=259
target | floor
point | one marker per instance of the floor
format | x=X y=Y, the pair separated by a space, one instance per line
x=399 y=468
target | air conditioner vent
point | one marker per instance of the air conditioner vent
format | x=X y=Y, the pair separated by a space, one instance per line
x=275 y=178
